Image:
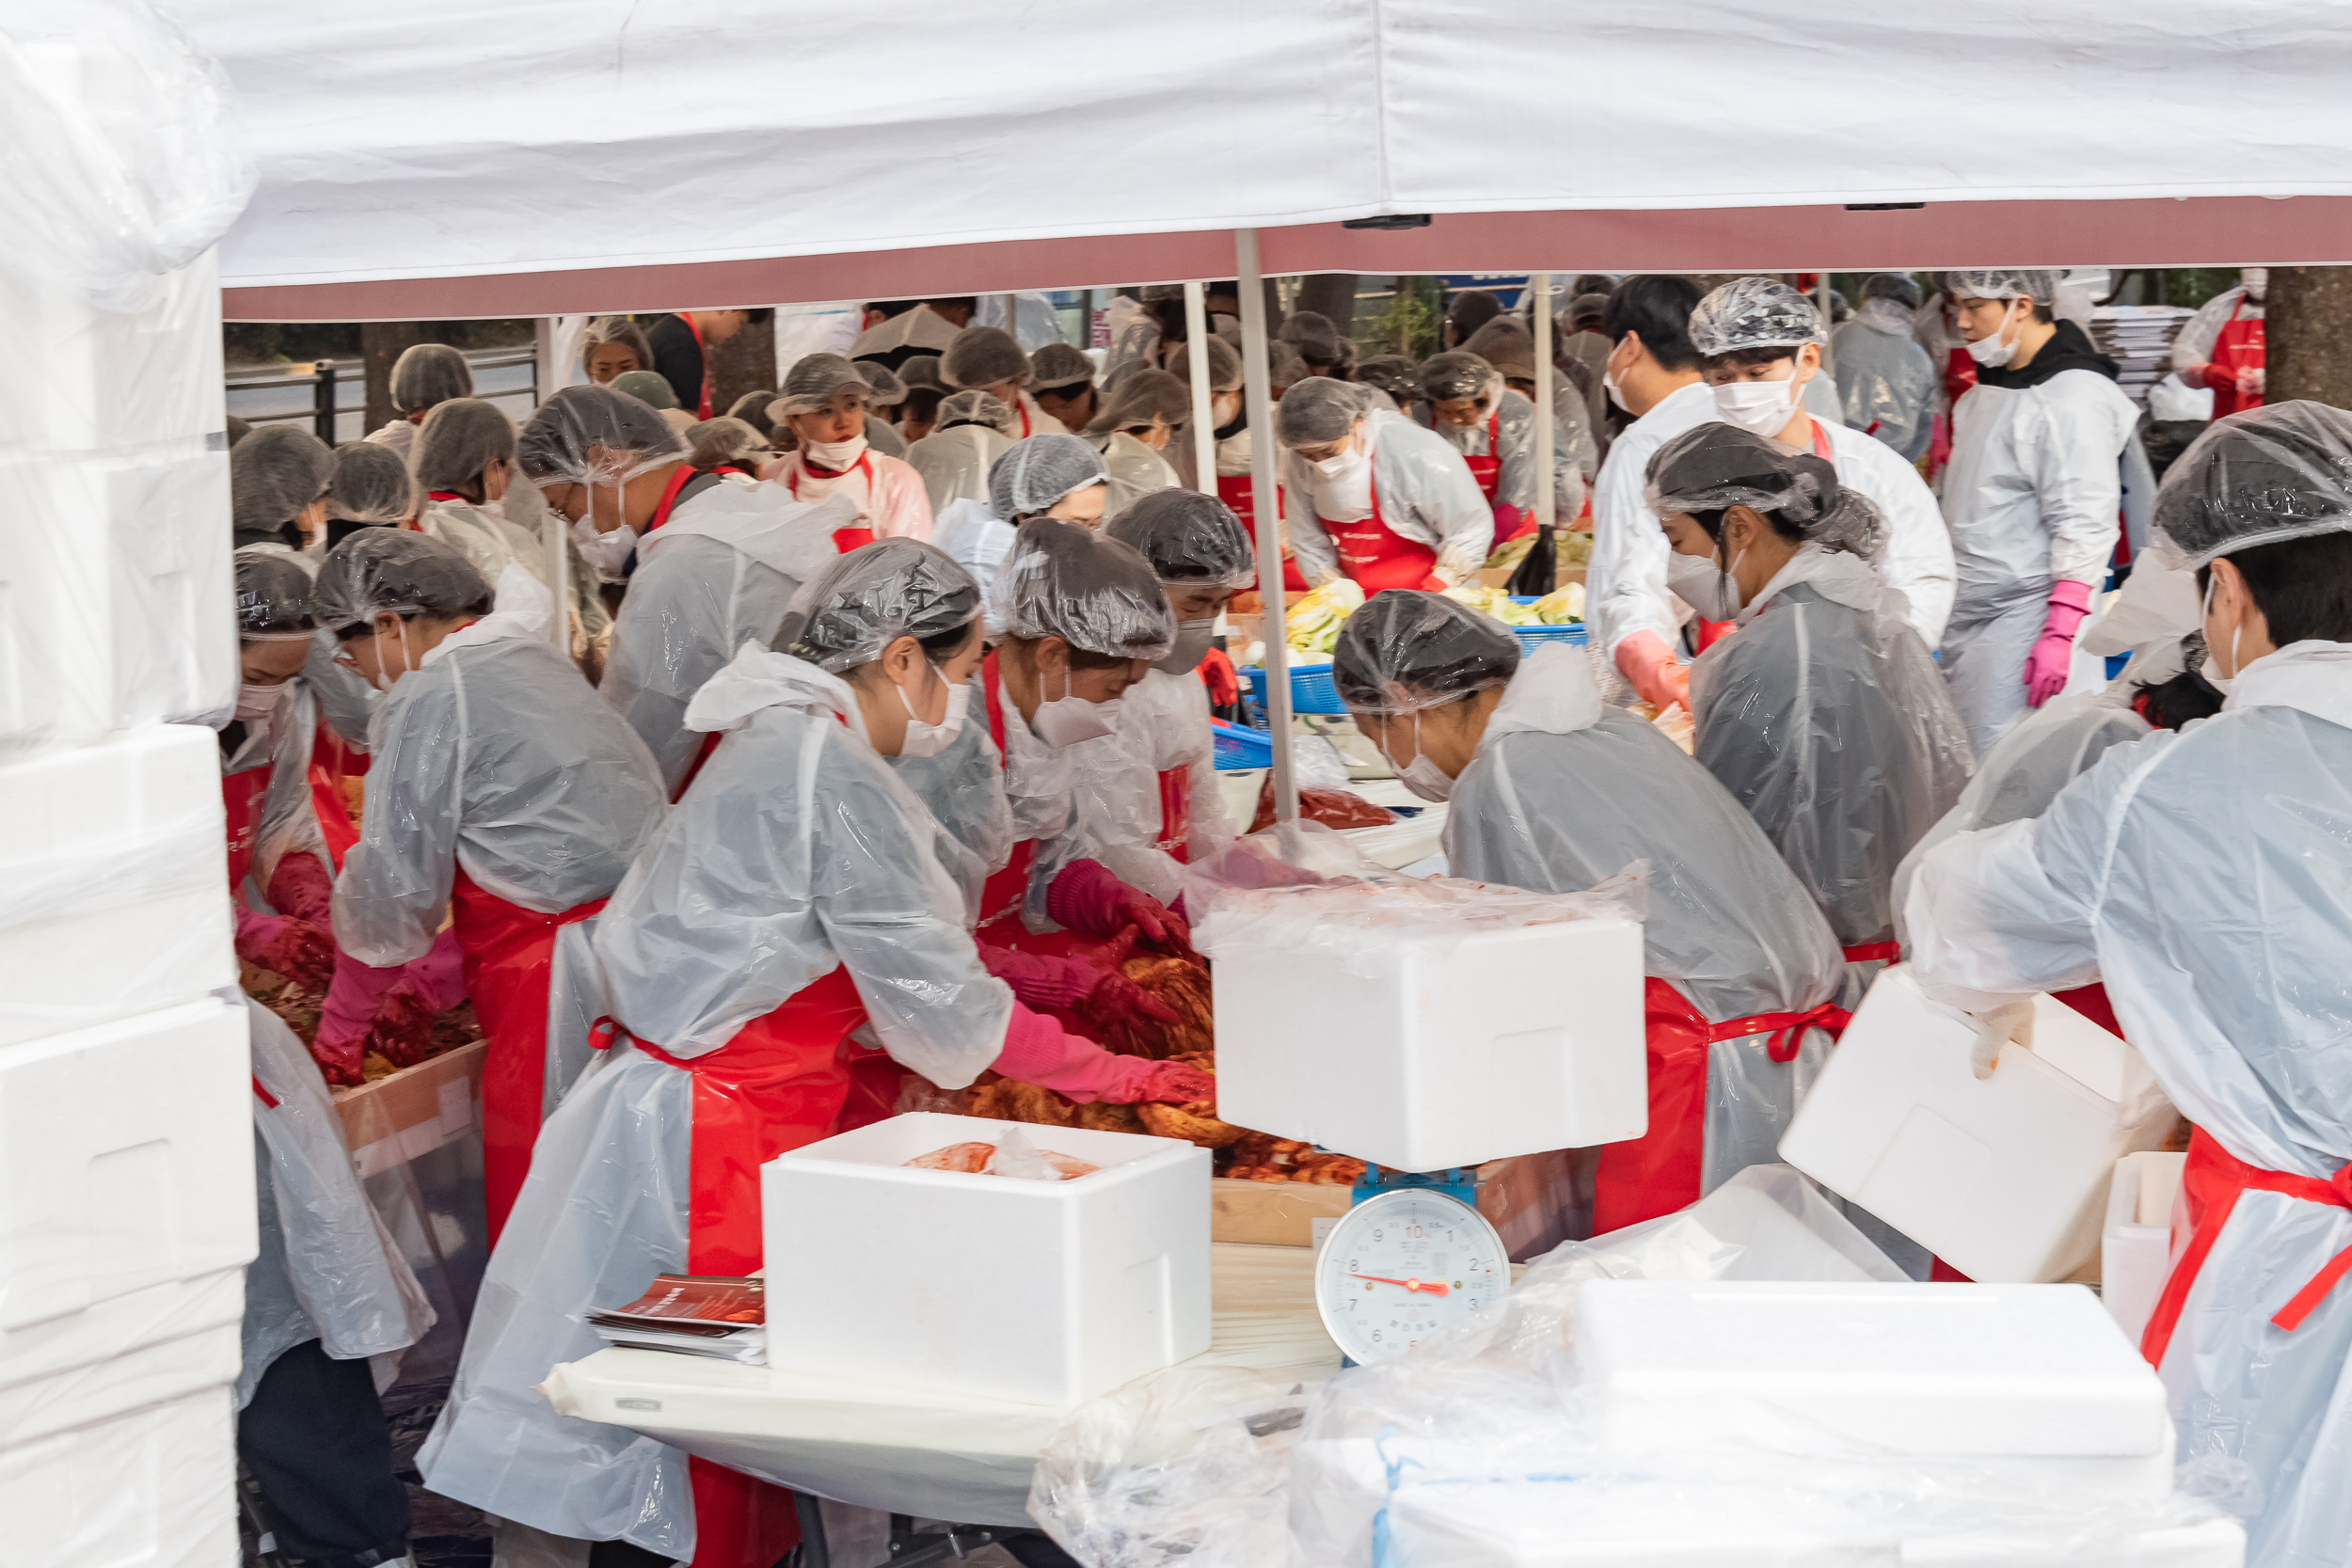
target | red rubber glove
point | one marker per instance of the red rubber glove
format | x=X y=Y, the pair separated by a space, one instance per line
x=1644 y=660
x=402 y=1031
x=282 y=945
x=1216 y=673
x=1077 y=981
x=438 y=978
x=1087 y=898
x=1508 y=520
x=1168 y=1082
x=349 y=1015
x=2046 y=666
x=303 y=888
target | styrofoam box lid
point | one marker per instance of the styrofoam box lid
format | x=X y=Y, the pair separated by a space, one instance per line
x=879 y=1152
x=1656 y=1524
x=1901 y=1368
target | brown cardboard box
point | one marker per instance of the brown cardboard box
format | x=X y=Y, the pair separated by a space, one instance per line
x=1534 y=1202
x=418 y=1109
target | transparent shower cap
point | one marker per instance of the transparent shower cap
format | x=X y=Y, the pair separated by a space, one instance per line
x=274 y=473
x=974 y=407
x=1318 y=411
x=1066 y=580
x=814 y=381
x=983 y=356
x=1457 y=374
x=380 y=569
x=595 y=435
x=1225 y=369
x=2260 y=477
x=429 y=374
x=1141 y=397
x=1040 y=470
x=1058 y=366
x=1192 y=540
x=2039 y=283
x=1754 y=312
x=883 y=382
x=869 y=598
x=1407 y=650
x=273 y=599
x=459 y=439
x=1710 y=467
x=369 y=485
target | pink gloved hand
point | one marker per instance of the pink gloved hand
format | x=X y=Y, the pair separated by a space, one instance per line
x=303 y=888
x=284 y=944
x=1088 y=898
x=438 y=978
x=1040 y=1051
x=352 y=1003
x=402 y=1031
x=1166 y=1083
x=1644 y=660
x=1068 y=983
x=2046 y=666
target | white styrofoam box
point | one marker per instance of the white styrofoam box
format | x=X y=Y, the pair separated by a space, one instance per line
x=1467 y=1048
x=2136 y=1247
x=115 y=864
x=107 y=380
x=154 y=1488
x=1697 y=1366
x=2003 y=1178
x=1046 y=1293
x=126 y=1188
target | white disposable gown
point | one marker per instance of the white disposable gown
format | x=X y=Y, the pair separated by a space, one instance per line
x=2205 y=877
x=1134 y=470
x=964 y=790
x=1424 y=493
x=954 y=465
x=1163 y=724
x=886 y=491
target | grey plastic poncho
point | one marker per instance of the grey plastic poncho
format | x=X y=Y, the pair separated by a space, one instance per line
x=955 y=459
x=1885 y=381
x=2260 y=477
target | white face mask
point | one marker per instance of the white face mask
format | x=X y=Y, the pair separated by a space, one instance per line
x=1996 y=349
x=1422 y=776
x=1340 y=467
x=384 y=678
x=2256 y=279
x=607 y=552
x=1065 y=721
x=1192 y=645
x=836 y=455
x=256 y=702
x=1611 y=385
x=1758 y=407
x=925 y=740
x=1707 y=588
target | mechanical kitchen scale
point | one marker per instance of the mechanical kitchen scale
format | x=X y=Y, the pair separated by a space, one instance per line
x=1412 y=1256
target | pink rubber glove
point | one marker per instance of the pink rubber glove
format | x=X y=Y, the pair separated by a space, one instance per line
x=303 y=888
x=352 y=1003
x=2046 y=666
x=1063 y=984
x=1644 y=660
x=1040 y=1051
x=438 y=978
x=284 y=944
x=1088 y=898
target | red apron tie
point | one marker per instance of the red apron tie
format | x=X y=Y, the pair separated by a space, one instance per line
x=2212 y=1181
x=668 y=502
x=1862 y=953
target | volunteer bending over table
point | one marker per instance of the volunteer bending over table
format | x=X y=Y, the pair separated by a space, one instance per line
x=790 y=919
x=1821 y=713
x=1373 y=497
x=2203 y=877
x=502 y=795
x=1552 y=790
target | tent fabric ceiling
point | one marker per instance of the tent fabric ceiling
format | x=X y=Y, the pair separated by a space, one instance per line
x=699 y=152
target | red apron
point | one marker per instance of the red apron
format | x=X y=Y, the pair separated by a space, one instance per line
x=330 y=764
x=668 y=502
x=2211 y=1182
x=1487 y=469
x=1870 y=952
x=1235 y=491
x=844 y=539
x=1175 y=812
x=2239 y=347
x=1379 y=560
x=702 y=754
x=241 y=798
x=1001 y=895
x=508 y=952
x=778 y=1085
x=1660 y=1171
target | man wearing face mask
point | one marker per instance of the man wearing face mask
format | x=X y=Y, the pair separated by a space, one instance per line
x=504 y=796
x=1373 y=497
x=613 y=467
x=2199 y=875
x=823 y=401
x=1761 y=343
x=2221 y=347
x=1652 y=372
x=1493 y=427
x=2031 y=497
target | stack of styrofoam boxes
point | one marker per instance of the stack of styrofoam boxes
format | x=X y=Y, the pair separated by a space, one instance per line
x=127 y=1145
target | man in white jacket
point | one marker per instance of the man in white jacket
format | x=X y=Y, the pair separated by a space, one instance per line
x=2032 y=495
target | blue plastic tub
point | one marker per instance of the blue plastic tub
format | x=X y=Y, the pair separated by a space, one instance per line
x=1238 y=747
x=1533 y=638
x=1312 y=691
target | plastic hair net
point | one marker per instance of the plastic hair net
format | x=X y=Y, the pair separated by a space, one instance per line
x=2037 y=283
x=883 y=382
x=273 y=599
x=1458 y=374
x=1314 y=337
x=369 y=485
x=274 y=473
x=1407 y=650
x=429 y=374
x=1066 y=580
x=726 y=440
x=922 y=370
x=1138 y=398
x=1898 y=287
x=1754 y=312
x=1504 y=343
x=1225 y=372
x=752 y=408
x=2260 y=477
x=1392 y=373
x=1040 y=471
x=457 y=440
x=1318 y=411
x=1191 y=539
x=1285 y=366
x=1057 y=366
x=1588 y=307
x=983 y=356
x=390 y=568
x=869 y=598
x=650 y=388
x=972 y=409
x=595 y=436
x=616 y=329
x=1710 y=467
x=813 y=382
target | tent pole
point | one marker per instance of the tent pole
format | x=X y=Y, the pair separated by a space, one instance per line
x=1203 y=425
x=1258 y=391
x=1539 y=302
x=1822 y=290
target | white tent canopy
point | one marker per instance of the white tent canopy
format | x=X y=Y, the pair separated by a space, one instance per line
x=444 y=157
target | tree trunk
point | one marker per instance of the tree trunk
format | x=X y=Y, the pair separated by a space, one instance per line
x=744 y=363
x=2306 y=323
x=1331 y=295
x=380 y=343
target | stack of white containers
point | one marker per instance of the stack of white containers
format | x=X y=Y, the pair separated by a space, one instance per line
x=126 y=1151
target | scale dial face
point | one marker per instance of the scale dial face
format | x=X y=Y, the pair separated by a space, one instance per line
x=1401 y=1265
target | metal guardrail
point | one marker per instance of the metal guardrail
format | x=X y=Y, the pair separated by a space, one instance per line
x=326 y=377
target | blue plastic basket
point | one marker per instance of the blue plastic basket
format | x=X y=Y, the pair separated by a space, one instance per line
x=1238 y=747
x=1533 y=638
x=1312 y=691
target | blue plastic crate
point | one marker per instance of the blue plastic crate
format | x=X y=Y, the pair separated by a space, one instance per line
x=1533 y=638
x=1238 y=747
x=1312 y=691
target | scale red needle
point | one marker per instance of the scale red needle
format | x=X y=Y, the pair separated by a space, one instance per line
x=1428 y=1286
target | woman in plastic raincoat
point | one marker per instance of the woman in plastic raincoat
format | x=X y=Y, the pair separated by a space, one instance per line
x=1554 y=791
x=1821 y=713
x=2202 y=876
x=1371 y=496
x=791 y=919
